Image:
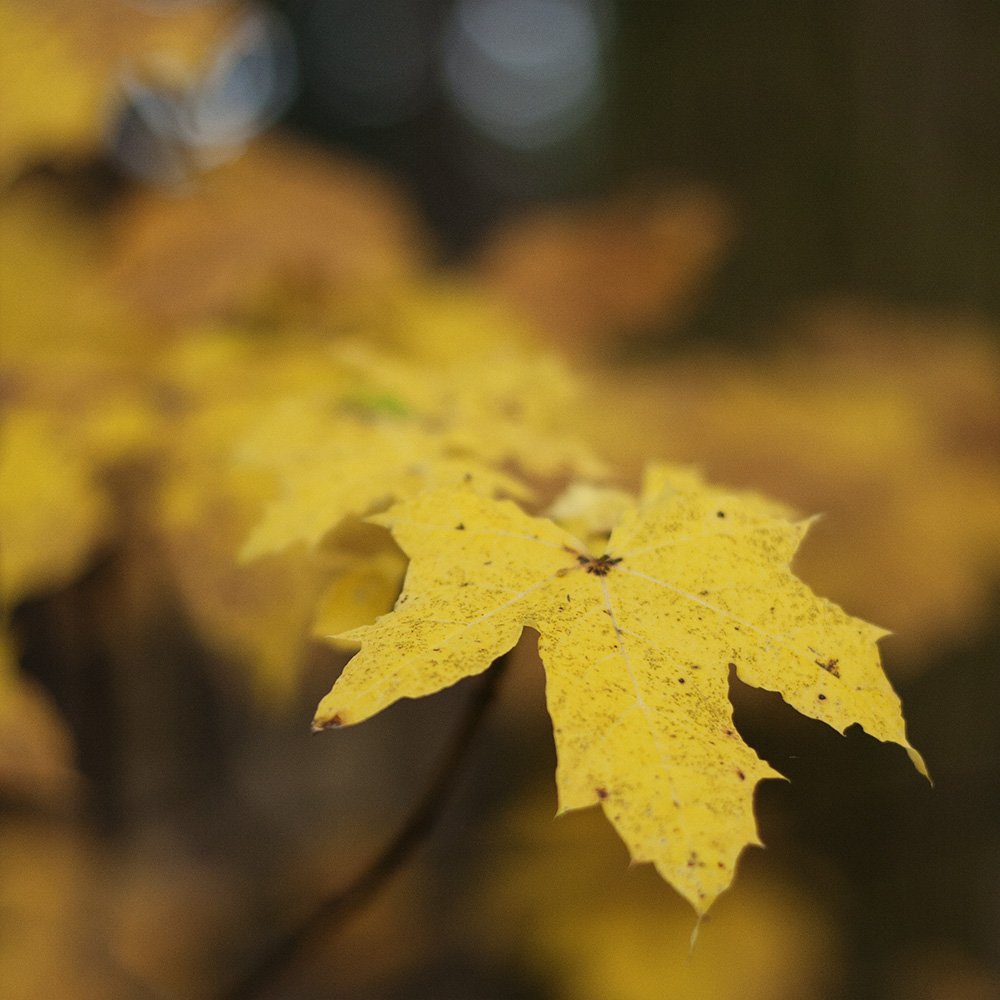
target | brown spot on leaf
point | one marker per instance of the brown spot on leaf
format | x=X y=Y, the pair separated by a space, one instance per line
x=460 y=527
x=334 y=722
x=830 y=666
x=822 y=697
x=602 y=793
x=740 y=775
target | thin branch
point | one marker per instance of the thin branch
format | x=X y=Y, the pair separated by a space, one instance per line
x=334 y=911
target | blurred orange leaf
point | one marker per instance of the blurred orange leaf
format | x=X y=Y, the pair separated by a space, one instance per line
x=284 y=226
x=590 y=275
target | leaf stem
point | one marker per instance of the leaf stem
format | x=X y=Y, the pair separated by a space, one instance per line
x=335 y=910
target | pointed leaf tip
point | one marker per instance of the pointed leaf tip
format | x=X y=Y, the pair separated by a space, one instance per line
x=918 y=762
x=333 y=722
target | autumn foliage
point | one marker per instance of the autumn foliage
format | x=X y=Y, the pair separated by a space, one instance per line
x=254 y=419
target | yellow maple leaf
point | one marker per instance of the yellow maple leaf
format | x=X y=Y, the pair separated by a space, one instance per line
x=637 y=642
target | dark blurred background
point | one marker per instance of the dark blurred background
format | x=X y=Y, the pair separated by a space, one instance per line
x=859 y=141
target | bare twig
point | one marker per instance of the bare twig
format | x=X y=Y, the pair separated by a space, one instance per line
x=334 y=911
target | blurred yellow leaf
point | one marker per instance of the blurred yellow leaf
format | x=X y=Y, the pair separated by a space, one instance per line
x=392 y=424
x=60 y=66
x=72 y=371
x=63 y=324
x=218 y=381
x=355 y=466
x=51 y=512
x=367 y=572
x=69 y=348
x=439 y=319
x=46 y=99
x=637 y=642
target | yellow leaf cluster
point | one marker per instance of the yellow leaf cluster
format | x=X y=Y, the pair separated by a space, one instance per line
x=51 y=511
x=278 y=440
x=394 y=384
x=71 y=364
